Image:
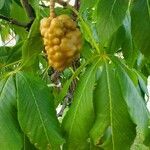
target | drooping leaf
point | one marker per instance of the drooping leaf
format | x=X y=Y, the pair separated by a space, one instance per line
x=79 y=118
x=140 y=15
x=122 y=41
x=10 y=134
x=110 y=15
x=32 y=47
x=36 y=113
x=135 y=102
x=113 y=127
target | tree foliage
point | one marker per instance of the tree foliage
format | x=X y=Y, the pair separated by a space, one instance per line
x=102 y=94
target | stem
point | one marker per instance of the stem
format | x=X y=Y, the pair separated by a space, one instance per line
x=14 y=21
x=29 y=10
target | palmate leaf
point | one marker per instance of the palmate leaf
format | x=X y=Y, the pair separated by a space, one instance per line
x=135 y=102
x=36 y=112
x=79 y=118
x=140 y=15
x=112 y=121
x=110 y=15
x=11 y=136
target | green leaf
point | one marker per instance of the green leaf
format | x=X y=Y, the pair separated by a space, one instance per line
x=5 y=7
x=18 y=12
x=2 y=3
x=36 y=113
x=32 y=47
x=140 y=16
x=110 y=15
x=135 y=102
x=80 y=116
x=86 y=51
x=15 y=53
x=111 y=113
x=35 y=5
x=10 y=133
x=27 y=145
x=66 y=85
x=122 y=41
x=4 y=53
x=4 y=32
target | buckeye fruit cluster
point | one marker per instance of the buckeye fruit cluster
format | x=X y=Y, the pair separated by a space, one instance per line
x=62 y=40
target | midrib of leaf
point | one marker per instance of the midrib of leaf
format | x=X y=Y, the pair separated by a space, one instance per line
x=110 y=103
x=3 y=87
x=79 y=100
x=38 y=111
x=112 y=8
x=129 y=4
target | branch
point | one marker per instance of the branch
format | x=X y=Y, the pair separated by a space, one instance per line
x=14 y=21
x=77 y=4
x=29 y=10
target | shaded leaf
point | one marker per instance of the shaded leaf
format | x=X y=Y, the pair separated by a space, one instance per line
x=5 y=7
x=135 y=102
x=27 y=145
x=113 y=127
x=110 y=15
x=32 y=47
x=36 y=113
x=2 y=3
x=79 y=118
x=10 y=133
x=140 y=15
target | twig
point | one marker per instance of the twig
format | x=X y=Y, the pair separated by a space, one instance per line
x=77 y=4
x=29 y=10
x=14 y=21
x=55 y=78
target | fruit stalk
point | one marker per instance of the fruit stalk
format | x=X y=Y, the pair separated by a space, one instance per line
x=52 y=6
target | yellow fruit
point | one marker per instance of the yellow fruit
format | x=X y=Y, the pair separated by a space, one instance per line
x=62 y=40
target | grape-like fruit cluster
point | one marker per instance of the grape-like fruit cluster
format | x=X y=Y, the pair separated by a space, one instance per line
x=62 y=40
